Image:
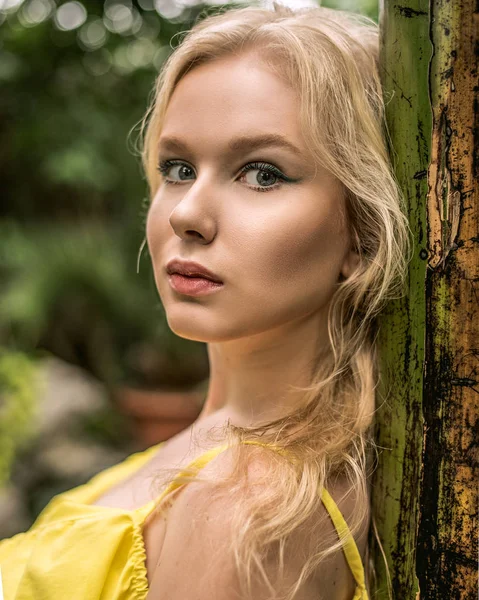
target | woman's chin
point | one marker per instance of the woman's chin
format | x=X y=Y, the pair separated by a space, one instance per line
x=193 y=336
x=189 y=329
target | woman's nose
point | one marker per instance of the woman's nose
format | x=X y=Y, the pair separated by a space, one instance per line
x=194 y=216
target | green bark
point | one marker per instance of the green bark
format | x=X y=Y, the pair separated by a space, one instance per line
x=405 y=55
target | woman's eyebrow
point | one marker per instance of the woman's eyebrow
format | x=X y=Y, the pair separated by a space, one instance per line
x=241 y=144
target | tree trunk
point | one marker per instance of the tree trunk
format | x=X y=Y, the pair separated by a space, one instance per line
x=425 y=496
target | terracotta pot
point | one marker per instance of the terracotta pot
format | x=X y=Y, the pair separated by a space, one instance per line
x=157 y=415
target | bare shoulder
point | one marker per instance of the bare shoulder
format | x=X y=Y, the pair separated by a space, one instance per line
x=348 y=501
x=196 y=559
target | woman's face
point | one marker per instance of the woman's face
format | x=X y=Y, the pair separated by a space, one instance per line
x=272 y=232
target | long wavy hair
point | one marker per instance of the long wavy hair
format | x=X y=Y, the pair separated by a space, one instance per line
x=331 y=58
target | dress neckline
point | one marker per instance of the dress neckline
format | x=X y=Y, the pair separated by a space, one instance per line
x=82 y=496
x=139 y=515
x=105 y=480
x=86 y=494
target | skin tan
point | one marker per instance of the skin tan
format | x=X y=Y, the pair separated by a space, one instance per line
x=279 y=252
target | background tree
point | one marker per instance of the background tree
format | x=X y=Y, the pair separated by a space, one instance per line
x=425 y=497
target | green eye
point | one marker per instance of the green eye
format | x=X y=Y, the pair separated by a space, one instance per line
x=267 y=174
x=184 y=171
x=268 y=177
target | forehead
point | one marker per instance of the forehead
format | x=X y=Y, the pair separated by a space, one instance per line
x=227 y=97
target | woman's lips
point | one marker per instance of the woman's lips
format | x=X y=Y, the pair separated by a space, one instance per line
x=193 y=286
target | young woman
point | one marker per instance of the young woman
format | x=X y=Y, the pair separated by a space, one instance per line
x=276 y=236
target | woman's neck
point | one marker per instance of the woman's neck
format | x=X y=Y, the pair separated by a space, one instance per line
x=251 y=378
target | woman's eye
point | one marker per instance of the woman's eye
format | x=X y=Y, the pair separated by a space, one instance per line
x=174 y=172
x=261 y=177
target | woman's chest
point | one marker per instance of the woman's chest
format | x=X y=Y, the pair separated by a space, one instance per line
x=148 y=483
x=145 y=483
x=154 y=532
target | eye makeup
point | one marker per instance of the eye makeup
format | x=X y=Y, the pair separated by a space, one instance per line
x=262 y=167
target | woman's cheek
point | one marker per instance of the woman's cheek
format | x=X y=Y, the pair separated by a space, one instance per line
x=157 y=225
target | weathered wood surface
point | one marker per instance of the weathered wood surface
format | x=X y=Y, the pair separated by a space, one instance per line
x=425 y=490
x=447 y=551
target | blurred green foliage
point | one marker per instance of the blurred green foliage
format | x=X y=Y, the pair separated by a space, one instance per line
x=69 y=287
x=76 y=79
x=18 y=393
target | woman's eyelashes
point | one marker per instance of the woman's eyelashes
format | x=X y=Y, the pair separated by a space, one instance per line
x=268 y=177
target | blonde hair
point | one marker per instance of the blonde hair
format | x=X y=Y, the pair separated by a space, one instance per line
x=331 y=57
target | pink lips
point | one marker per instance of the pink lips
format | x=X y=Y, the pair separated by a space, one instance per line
x=193 y=286
x=191 y=278
x=191 y=269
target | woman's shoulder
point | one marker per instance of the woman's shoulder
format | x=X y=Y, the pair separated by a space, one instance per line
x=199 y=532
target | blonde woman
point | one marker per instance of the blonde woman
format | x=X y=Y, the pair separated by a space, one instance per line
x=276 y=236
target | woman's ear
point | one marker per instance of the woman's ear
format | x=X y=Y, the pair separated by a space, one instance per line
x=352 y=259
x=350 y=264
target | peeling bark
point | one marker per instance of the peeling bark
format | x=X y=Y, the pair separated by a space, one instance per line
x=425 y=500
x=448 y=529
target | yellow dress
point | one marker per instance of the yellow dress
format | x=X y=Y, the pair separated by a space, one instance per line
x=79 y=551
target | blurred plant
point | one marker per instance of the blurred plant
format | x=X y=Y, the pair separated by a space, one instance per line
x=18 y=392
x=370 y=8
x=105 y=426
x=70 y=291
